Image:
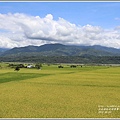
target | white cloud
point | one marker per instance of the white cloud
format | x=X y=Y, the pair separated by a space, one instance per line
x=117 y=18
x=17 y=30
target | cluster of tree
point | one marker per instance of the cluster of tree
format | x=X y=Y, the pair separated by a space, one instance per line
x=63 y=59
x=60 y=66
x=73 y=66
x=18 y=66
x=38 y=66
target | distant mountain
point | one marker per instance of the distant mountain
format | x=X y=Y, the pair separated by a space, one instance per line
x=62 y=50
x=2 y=50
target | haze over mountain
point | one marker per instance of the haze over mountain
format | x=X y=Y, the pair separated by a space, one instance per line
x=2 y=50
x=62 y=50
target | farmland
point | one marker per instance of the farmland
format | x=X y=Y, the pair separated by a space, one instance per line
x=52 y=92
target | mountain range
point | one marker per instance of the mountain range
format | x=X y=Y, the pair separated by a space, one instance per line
x=61 y=50
x=2 y=50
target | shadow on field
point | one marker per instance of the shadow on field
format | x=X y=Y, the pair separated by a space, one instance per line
x=12 y=76
x=78 y=85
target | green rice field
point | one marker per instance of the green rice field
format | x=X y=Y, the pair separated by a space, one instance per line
x=52 y=92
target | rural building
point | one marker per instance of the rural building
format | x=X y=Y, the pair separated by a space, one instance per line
x=30 y=66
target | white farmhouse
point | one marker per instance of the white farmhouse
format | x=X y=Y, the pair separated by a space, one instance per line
x=30 y=66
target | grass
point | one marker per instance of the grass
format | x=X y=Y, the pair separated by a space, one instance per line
x=59 y=93
x=11 y=76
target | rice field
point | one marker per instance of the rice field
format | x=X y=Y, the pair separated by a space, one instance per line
x=52 y=92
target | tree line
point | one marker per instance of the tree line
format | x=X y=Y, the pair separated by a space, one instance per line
x=63 y=59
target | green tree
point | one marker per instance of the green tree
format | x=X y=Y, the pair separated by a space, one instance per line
x=38 y=66
x=17 y=68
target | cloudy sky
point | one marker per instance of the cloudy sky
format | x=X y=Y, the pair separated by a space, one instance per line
x=69 y=23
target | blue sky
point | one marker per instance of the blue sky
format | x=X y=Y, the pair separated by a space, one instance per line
x=86 y=23
x=81 y=13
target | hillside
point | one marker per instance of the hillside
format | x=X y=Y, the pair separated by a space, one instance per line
x=58 y=53
x=2 y=50
x=62 y=50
